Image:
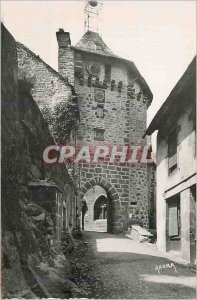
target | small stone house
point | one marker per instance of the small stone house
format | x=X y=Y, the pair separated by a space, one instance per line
x=176 y=167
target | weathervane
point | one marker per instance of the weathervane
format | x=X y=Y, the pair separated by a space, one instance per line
x=92 y=16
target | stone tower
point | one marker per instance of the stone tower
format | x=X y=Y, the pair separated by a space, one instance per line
x=113 y=101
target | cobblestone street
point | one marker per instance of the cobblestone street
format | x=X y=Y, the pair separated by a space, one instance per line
x=113 y=267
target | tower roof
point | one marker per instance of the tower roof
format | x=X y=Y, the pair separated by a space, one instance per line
x=92 y=42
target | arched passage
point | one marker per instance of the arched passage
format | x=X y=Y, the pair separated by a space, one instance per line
x=100 y=208
x=113 y=202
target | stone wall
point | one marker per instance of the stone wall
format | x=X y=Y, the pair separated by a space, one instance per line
x=26 y=240
x=58 y=103
x=53 y=94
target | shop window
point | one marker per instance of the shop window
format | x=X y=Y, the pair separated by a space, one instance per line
x=99 y=134
x=172 y=150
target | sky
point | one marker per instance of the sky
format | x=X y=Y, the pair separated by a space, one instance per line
x=158 y=36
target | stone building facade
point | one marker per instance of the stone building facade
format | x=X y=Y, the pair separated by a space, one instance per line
x=37 y=200
x=176 y=168
x=52 y=93
x=58 y=104
x=113 y=101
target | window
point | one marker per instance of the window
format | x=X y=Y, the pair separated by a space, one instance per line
x=99 y=134
x=100 y=111
x=108 y=72
x=172 y=150
x=78 y=63
x=98 y=47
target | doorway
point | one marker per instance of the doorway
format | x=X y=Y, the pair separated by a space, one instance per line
x=94 y=217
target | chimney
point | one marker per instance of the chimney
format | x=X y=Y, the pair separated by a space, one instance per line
x=65 y=55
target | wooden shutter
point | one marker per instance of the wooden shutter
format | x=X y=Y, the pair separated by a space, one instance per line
x=173 y=221
x=172 y=149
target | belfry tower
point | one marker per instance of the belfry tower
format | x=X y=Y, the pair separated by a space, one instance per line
x=93 y=16
x=113 y=101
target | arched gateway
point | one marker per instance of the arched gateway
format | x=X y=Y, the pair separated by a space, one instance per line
x=113 y=100
x=101 y=206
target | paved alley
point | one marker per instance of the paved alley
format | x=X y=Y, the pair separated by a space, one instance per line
x=114 y=267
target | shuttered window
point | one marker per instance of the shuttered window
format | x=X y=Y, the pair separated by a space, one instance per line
x=172 y=150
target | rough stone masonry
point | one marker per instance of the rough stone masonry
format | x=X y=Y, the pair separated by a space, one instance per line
x=113 y=101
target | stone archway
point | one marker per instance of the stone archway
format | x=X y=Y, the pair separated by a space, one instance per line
x=100 y=208
x=94 y=219
x=114 y=223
